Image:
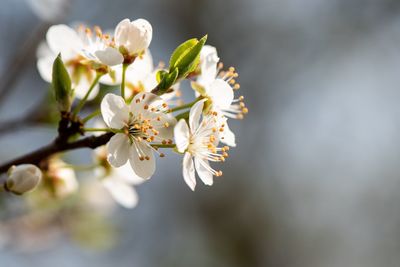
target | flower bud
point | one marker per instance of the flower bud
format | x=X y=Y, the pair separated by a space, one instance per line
x=23 y=178
x=133 y=37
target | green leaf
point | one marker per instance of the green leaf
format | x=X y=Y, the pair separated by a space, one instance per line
x=189 y=60
x=180 y=51
x=61 y=83
x=160 y=75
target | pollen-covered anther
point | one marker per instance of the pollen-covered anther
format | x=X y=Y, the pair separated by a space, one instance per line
x=225 y=155
x=164 y=142
x=162 y=155
x=146 y=107
x=88 y=31
x=232 y=81
x=98 y=31
x=245 y=110
x=147 y=158
x=166 y=125
x=219 y=173
x=212 y=138
x=137 y=101
x=169 y=141
x=141 y=158
x=236 y=86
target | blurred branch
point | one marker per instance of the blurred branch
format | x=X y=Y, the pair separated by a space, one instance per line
x=17 y=63
x=43 y=153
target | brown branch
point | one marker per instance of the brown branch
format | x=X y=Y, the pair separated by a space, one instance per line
x=43 y=153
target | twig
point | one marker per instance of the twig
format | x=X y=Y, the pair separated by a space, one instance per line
x=43 y=153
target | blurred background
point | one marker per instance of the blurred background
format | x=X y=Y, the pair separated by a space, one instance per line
x=315 y=177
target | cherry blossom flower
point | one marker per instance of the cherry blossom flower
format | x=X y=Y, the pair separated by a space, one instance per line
x=217 y=86
x=61 y=178
x=83 y=51
x=198 y=141
x=139 y=123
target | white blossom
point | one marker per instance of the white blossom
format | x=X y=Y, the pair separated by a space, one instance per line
x=139 y=123
x=133 y=36
x=82 y=51
x=218 y=87
x=62 y=178
x=198 y=141
x=23 y=178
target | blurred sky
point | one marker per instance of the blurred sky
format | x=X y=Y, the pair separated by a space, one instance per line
x=314 y=180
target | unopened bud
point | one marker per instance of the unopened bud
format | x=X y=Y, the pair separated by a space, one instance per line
x=23 y=178
x=133 y=37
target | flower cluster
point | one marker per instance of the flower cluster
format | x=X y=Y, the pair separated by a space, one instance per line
x=146 y=115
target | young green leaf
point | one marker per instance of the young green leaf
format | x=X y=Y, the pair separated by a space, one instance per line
x=61 y=83
x=180 y=51
x=190 y=59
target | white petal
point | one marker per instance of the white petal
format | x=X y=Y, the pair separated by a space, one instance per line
x=143 y=168
x=63 y=39
x=188 y=171
x=114 y=111
x=194 y=115
x=221 y=93
x=227 y=136
x=126 y=174
x=122 y=193
x=181 y=135
x=208 y=64
x=165 y=132
x=121 y=33
x=203 y=173
x=118 y=149
x=140 y=69
x=83 y=86
x=45 y=68
x=109 y=56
